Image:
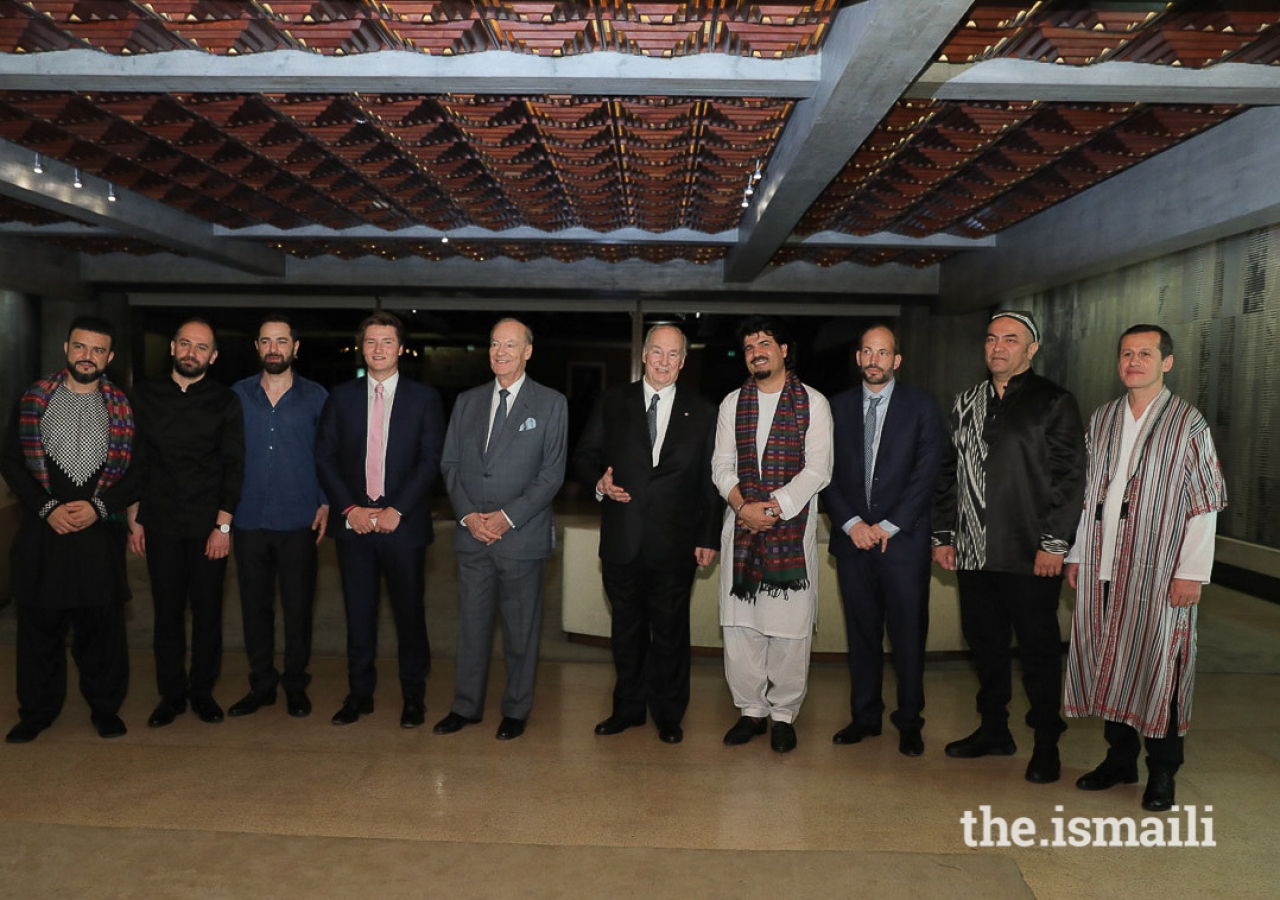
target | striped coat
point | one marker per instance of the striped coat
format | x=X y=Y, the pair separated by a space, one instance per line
x=1129 y=656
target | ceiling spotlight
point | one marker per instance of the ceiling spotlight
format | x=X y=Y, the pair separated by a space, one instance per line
x=111 y=193
x=750 y=190
x=37 y=166
x=77 y=183
x=444 y=239
x=757 y=174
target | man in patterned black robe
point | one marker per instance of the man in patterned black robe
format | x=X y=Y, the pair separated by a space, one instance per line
x=67 y=459
x=1006 y=510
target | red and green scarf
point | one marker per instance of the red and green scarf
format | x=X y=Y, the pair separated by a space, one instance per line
x=31 y=409
x=773 y=560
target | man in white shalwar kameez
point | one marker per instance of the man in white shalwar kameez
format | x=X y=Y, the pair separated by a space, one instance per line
x=772 y=457
x=1143 y=550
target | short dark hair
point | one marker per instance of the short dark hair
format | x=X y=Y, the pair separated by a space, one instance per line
x=196 y=320
x=775 y=328
x=381 y=317
x=528 y=332
x=893 y=333
x=95 y=324
x=1166 y=340
x=278 y=318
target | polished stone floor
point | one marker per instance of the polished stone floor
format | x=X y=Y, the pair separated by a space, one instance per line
x=276 y=807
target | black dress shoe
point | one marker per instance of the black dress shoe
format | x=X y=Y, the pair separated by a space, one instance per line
x=1045 y=766
x=166 y=712
x=352 y=709
x=413 y=714
x=1158 y=797
x=910 y=743
x=510 y=728
x=110 y=726
x=980 y=743
x=207 y=709
x=1108 y=776
x=670 y=734
x=453 y=722
x=251 y=702
x=783 y=739
x=616 y=724
x=745 y=729
x=853 y=733
x=24 y=733
x=298 y=704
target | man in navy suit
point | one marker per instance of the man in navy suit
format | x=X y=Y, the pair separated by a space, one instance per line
x=377 y=454
x=503 y=464
x=646 y=452
x=888 y=449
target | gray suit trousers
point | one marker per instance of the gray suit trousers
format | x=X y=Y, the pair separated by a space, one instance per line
x=488 y=586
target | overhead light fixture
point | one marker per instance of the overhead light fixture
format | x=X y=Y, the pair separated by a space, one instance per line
x=37 y=166
x=746 y=198
x=757 y=174
x=111 y=193
x=444 y=239
x=78 y=183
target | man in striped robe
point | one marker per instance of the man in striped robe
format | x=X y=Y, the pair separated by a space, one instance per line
x=1143 y=550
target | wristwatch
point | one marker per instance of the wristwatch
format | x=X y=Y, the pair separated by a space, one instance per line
x=225 y=528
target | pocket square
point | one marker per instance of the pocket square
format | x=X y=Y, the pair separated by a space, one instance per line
x=529 y=424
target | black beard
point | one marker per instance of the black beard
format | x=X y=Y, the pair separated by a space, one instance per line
x=278 y=367
x=762 y=374
x=84 y=377
x=190 y=369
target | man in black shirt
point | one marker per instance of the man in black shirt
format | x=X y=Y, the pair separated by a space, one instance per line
x=191 y=439
x=68 y=459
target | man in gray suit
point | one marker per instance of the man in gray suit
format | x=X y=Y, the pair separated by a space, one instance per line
x=504 y=457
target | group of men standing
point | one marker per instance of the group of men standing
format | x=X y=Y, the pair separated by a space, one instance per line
x=1007 y=492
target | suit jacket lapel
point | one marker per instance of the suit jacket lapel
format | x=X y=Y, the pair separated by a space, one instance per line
x=676 y=427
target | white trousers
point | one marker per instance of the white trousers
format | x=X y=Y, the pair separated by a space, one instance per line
x=768 y=676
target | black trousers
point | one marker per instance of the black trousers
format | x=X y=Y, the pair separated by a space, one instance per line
x=182 y=575
x=265 y=558
x=98 y=646
x=994 y=606
x=880 y=591
x=650 y=637
x=363 y=563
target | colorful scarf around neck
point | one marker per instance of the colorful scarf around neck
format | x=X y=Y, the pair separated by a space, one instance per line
x=773 y=560
x=31 y=409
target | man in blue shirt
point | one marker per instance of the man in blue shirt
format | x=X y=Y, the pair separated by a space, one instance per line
x=280 y=520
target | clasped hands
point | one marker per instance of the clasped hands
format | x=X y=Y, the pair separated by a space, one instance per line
x=487 y=528
x=866 y=536
x=73 y=516
x=759 y=516
x=371 y=519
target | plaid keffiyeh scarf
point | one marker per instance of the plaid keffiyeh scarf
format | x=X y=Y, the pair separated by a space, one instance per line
x=31 y=409
x=773 y=560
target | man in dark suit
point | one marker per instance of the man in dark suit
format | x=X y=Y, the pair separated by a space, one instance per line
x=646 y=453
x=888 y=445
x=377 y=454
x=503 y=463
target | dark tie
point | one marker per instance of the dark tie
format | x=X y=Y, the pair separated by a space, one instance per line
x=869 y=445
x=499 y=417
x=652 y=417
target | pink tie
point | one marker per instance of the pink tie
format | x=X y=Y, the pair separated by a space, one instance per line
x=373 y=456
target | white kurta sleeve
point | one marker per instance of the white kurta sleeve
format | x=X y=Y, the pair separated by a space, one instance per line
x=816 y=474
x=1195 y=561
x=724 y=460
